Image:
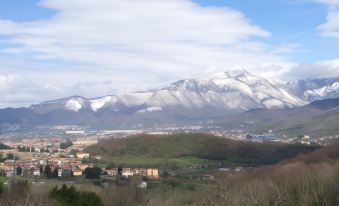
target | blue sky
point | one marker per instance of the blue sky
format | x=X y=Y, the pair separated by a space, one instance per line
x=55 y=48
x=289 y=21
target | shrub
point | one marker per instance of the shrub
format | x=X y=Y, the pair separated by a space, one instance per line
x=69 y=196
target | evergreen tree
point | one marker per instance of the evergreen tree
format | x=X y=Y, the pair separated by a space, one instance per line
x=55 y=173
x=48 y=171
x=19 y=170
x=41 y=169
x=92 y=173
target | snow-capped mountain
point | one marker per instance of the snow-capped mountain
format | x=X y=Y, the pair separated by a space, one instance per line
x=315 y=89
x=199 y=99
x=233 y=91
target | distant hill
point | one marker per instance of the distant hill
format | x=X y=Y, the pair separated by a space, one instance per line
x=318 y=119
x=200 y=146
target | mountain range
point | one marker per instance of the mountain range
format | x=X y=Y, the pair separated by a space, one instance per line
x=223 y=94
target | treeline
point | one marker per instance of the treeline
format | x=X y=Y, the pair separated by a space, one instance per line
x=30 y=149
x=21 y=193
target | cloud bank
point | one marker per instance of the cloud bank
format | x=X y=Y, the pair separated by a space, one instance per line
x=93 y=48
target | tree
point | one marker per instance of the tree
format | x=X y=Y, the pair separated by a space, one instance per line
x=165 y=174
x=41 y=169
x=2 y=146
x=48 y=171
x=92 y=173
x=69 y=196
x=19 y=171
x=10 y=156
x=2 y=181
x=65 y=145
x=55 y=173
x=120 y=169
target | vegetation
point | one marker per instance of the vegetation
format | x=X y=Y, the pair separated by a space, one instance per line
x=307 y=177
x=21 y=193
x=66 y=145
x=92 y=173
x=311 y=179
x=186 y=149
x=48 y=171
x=1 y=184
x=69 y=196
x=2 y=146
x=19 y=170
x=24 y=149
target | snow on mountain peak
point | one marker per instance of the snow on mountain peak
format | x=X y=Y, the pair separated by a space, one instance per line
x=74 y=104
x=97 y=104
x=233 y=90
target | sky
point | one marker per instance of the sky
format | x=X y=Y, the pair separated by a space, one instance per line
x=51 y=49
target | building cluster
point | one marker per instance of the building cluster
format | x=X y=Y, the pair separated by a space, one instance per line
x=33 y=155
x=129 y=172
x=32 y=164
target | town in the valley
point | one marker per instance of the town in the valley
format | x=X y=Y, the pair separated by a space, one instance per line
x=64 y=156
x=58 y=158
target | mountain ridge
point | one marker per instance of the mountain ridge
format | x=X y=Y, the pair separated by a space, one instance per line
x=222 y=94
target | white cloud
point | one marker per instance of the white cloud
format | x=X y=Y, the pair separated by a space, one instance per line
x=121 y=45
x=328 y=2
x=320 y=69
x=331 y=27
x=16 y=90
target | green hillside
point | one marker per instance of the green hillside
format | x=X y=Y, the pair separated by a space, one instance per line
x=186 y=149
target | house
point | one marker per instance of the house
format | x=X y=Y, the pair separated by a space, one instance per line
x=77 y=172
x=224 y=169
x=140 y=172
x=239 y=169
x=153 y=173
x=208 y=177
x=43 y=162
x=83 y=166
x=64 y=173
x=127 y=174
x=82 y=155
x=36 y=172
x=126 y=169
x=112 y=172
